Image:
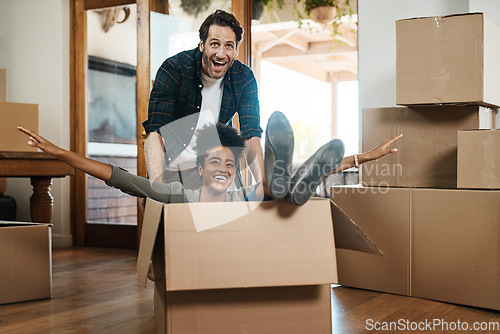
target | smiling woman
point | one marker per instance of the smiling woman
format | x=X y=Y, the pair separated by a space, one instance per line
x=218 y=148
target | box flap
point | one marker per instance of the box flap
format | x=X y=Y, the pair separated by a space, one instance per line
x=439 y=17
x=151 y=221
x=5 y=223
x=275 y=244
x=348 y=235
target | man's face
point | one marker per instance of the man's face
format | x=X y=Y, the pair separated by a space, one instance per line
x=218 y=169
x=219 y=51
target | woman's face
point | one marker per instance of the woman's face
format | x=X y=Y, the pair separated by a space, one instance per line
x=218 y=170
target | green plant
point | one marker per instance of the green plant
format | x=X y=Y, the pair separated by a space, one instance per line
x=302 y=9
x=310 y=4
x=195 y=7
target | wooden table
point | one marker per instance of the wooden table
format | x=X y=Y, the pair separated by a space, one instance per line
x=40 y=168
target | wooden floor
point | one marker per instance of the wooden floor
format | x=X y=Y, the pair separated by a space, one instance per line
x=96 y=291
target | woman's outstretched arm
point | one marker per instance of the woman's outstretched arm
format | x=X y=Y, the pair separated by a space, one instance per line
x=374 y=154
x=92 y=167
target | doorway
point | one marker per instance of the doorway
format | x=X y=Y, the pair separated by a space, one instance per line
x=100 y=232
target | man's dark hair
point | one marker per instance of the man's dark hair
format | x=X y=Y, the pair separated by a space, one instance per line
x=214 y=135
x=223 y=19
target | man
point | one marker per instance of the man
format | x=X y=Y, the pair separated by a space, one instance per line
x=196 y=87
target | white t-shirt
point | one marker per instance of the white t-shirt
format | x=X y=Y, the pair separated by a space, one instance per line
x=211 y=99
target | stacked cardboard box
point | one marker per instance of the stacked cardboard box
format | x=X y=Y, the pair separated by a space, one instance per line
x=439 y=242
x=25 y=248
x=243 y=267
x=13 y=115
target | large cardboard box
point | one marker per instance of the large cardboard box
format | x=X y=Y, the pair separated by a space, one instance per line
x=479 y=159
x=3 y=85
x=242 y=267
x=25 y=261
x=363 y=205
x=441 y=244
x=427 y=155
x=447 y=59
x=14 y=115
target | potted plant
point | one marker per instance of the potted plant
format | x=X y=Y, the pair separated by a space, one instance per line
x=323 y=11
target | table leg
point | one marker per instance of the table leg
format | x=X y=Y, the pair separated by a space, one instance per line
x=41 y=202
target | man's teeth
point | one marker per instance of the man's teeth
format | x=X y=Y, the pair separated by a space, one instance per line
x=219 y=63
x=220 y=178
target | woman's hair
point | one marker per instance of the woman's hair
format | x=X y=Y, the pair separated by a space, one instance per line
x=214 y=135
x=223 y=19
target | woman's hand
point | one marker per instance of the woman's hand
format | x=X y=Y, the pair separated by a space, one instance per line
x=381 y=150
x=95 y=168
x=41 y=143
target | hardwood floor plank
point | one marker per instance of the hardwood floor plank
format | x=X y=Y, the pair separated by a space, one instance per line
x=354 y=320
x=95 y=290
x=417 y=314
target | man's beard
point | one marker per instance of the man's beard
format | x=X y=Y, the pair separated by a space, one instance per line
x=207 y=62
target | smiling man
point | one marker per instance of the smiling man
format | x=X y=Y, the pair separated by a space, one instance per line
x=199 y=86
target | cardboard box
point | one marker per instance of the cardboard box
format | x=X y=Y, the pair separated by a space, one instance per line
x=26 y=261
x=3 y=85
x=447 y=59
x=427 y=155
x=479 y=159
x=441 y=244
x=363 y=206
x=260 y=268
x=13 y=115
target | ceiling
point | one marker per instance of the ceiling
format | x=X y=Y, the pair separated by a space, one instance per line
x=311 y=50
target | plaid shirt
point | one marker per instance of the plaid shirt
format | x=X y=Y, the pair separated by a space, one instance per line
x=176 y=94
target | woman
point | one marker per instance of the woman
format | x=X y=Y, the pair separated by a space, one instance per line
x=217 y=163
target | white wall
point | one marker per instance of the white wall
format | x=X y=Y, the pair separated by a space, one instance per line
x=490 y=8
x=34 y=48
x=377 y=43
x=119 y=43
x=377 y=40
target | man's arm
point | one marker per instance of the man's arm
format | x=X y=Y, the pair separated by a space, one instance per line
x=255 y=158
x=155 y=156
x=374 y=154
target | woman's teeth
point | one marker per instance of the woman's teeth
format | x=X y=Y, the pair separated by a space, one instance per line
x=220 y=178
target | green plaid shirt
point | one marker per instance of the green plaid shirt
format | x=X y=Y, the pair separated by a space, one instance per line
x=176 y=94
